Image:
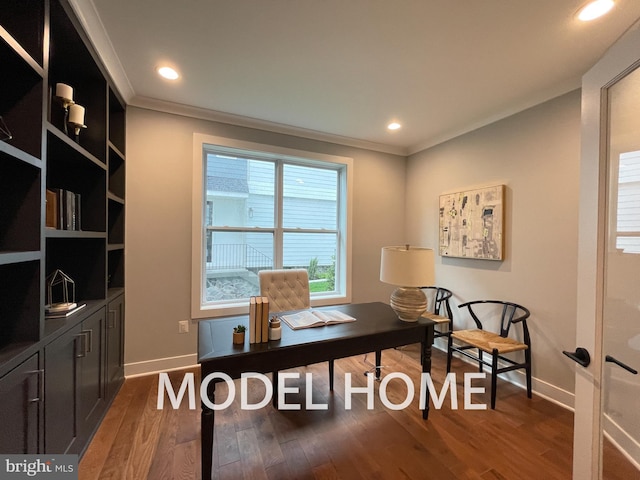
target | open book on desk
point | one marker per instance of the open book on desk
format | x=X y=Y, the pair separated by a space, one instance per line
x=315 y=318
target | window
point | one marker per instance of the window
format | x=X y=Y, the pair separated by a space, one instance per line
x=628 y=218
x=261 y=207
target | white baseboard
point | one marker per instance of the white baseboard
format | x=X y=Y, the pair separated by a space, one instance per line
x=624 y=442
x=149 y=367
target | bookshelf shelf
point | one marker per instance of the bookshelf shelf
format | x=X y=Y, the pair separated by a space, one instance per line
x=7 y=258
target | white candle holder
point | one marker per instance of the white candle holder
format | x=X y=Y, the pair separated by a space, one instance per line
x=64 y=95
x=76 y=119
x=66 y=103
x=76 y=130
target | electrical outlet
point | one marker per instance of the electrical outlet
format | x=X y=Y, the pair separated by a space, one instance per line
x=183 y=326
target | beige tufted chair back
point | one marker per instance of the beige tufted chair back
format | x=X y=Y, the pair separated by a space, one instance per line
x=286 y=289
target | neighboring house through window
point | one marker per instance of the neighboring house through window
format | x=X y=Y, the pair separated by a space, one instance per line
x=261 y=207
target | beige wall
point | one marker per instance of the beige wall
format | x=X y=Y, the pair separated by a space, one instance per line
x=158 y=227
x=536 y=154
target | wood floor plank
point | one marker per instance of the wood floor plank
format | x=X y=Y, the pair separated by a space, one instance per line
x=250 y=456
x=185 y=464
x=97 y=453
x=145 y=437
x=297 y=464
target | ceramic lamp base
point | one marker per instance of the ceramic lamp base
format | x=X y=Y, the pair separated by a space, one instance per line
x=409 y=303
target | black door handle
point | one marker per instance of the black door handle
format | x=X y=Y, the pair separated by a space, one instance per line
x=609 y=358
x=581 y=356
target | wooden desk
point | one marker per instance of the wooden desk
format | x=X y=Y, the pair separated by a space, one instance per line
x=376 y=328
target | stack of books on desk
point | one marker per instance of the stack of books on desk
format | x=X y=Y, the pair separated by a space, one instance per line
x=258 y=319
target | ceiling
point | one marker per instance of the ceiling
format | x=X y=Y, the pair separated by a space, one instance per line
x=341 y=70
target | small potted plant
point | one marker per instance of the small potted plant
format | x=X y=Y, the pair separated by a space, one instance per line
x=238 y=334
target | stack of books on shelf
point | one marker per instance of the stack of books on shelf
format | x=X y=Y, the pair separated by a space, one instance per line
x=63 y=209
x=258 y=319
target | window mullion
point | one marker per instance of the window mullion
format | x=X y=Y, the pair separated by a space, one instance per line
x=278 y=240
x=309 y=230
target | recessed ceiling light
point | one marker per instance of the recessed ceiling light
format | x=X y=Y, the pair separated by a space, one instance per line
x=168 y=73
x=394 y=126
x=595 y=9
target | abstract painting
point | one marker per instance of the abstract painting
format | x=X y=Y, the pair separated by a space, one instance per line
x=471 y=223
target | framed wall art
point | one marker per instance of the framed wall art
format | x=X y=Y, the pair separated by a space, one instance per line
x=471 y=223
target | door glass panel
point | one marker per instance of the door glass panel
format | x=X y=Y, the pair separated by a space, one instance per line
x=621 y=334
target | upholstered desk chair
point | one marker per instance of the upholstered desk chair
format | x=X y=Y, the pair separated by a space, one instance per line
x=288 y=289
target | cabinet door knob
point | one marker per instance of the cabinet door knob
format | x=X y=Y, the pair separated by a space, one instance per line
x=83 y=347
x=112 y=319
x=40 y=379
x=89 y=341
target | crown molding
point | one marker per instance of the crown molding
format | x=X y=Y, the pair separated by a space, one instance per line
x=248 y=122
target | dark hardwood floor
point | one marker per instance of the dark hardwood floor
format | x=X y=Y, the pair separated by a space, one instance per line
x=521 y=439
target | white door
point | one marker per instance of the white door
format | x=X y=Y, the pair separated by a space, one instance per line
x=607 y=395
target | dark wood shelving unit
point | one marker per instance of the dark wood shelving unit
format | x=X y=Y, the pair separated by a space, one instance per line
x=71 y=366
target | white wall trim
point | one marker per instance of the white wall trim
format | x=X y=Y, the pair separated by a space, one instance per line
x=625 y=443
x=150 y=367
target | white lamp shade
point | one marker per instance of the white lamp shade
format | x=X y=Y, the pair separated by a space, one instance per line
x=407 y=266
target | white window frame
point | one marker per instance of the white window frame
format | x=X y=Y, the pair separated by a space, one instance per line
x=200 y=310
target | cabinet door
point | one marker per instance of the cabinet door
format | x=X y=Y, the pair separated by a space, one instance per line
x=115 y=345
x=91 y=374
x=61 y=380
x=19 y=416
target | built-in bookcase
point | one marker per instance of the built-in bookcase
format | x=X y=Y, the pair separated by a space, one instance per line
x=41 y=45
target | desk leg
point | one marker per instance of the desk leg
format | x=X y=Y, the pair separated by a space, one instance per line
x=426 y=368
x=274 y=400
x=331 y=375
x=378 y=363
x=206 y=434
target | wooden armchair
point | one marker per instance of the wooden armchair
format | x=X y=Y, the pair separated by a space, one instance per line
x=495 y=344
x=440 y=310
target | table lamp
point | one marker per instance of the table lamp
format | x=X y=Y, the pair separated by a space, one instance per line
x=409 y=268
